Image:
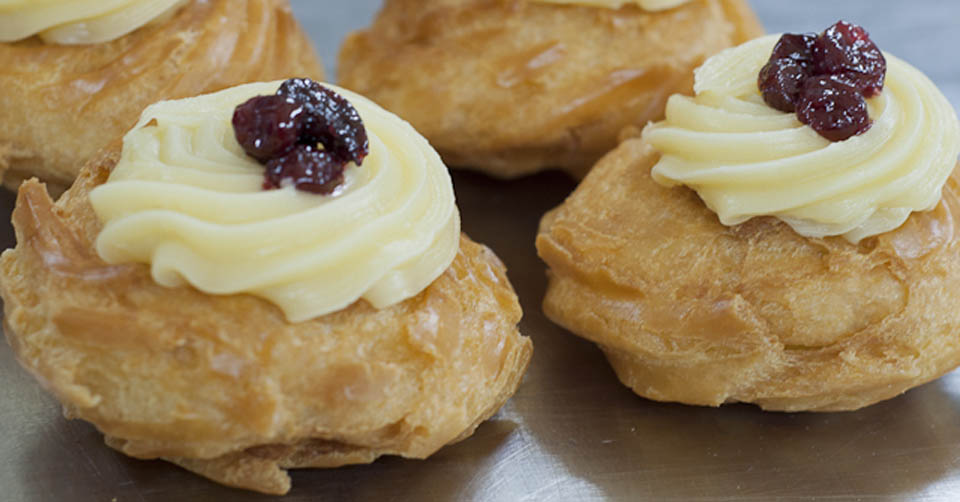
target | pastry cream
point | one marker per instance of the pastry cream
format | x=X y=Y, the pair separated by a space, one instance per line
x=186 y=199
x=650 y=5
x=746 y=159
x=79 y=21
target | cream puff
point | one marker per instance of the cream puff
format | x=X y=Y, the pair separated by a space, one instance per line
x=511 y=87
x=799 y=260
x=75 y=75
x=239 y=314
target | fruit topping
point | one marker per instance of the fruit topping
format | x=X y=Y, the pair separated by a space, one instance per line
x=330 y=119
x=268 y=126
x=798 y=47
x=305 y=134
x=846 y=50
x=833 y=108
x=825 y=78
x=782 y=83
x=308 y=168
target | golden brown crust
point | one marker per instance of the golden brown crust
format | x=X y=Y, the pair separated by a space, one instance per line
x=60 y=104
x=510 y=87
x=689 y=310
x=223 y=385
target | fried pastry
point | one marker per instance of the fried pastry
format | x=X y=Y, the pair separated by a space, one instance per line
x=733 y=254
x=511 y=87
x=73 y=79
x=351 y=336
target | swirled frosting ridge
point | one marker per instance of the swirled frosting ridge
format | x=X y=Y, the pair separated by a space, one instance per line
x=746 y=159
x=186 y=199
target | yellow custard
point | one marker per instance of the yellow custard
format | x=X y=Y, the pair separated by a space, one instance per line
x=746 y=159
x=187 y=200
x=650 y=5
x=79 y=21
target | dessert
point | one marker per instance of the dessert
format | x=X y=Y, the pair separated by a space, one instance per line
x=196 y=311
x=511 y=87
x=76 y=74
x=733 y=253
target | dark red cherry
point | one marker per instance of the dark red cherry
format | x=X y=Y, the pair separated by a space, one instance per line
x=285 y=132
x=833 y=108
x=825 y=79
x=798 y=47
x=330 y=119
x=308 y=168
x=781 y=81
x=846 y=50
x=268 y=126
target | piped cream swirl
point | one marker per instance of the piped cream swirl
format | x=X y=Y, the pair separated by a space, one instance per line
x=746 y=159
x=79 y=21
x=649 y=5
x=186 y=199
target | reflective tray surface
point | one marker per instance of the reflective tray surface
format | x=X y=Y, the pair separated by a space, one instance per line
x=572 y=432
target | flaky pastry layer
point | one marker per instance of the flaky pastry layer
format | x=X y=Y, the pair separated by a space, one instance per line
x=689 y=310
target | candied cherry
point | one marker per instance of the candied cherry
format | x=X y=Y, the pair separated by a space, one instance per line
x=305 y=134
x=846 y=50
x=791 y=63
x=833 y=108
x=798 y=47
x=825 y=78
x=308 y=168
x=330 y=119
x=781 y=82
x=268 y=126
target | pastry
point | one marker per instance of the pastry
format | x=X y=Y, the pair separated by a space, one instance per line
x=237 y=324
x=511 y=87
x=76 y=74
x=732 y=253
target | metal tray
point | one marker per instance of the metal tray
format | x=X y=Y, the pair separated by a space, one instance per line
x=572 y=432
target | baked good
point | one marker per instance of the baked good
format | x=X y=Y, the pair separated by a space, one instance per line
x=511 y=87
x=193 y=316
x=63 y=100
x=732 y=254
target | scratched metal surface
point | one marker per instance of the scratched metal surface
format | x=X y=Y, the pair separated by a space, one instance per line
x=572 y=432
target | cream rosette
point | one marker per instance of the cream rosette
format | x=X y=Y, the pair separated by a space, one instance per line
x=187 y=200
x=649 y=5
x=79 y=21
x=746 y=159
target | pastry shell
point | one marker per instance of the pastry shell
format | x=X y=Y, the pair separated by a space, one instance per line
x=510 y=87
x=223 y=385
x=691 y=311
x=60 y=104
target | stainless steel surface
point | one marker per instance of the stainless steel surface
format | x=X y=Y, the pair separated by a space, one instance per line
x=572 y=432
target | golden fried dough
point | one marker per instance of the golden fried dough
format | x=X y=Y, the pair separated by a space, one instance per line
x=60 y=104
x=689 y=310
x=510 y=87
x=224 y=385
